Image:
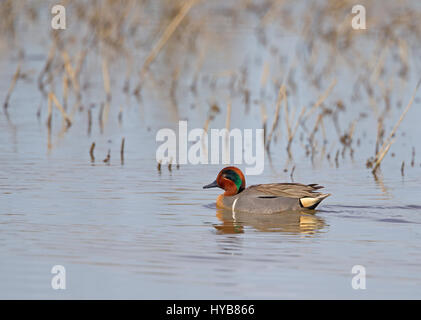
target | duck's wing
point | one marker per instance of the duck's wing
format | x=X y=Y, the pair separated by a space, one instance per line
x=287 y=190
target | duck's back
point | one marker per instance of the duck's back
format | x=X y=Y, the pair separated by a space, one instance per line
x=275 y=197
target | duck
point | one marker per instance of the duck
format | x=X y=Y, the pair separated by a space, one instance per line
x=263 y=198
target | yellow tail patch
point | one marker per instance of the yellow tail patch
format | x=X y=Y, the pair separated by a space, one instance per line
x=308 y=202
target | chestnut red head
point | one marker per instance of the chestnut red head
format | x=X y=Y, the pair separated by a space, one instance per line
x=231 y=179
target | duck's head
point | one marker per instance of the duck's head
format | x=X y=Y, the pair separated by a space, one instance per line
x=231 y=179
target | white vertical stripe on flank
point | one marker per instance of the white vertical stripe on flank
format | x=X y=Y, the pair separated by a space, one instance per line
x=233 y=208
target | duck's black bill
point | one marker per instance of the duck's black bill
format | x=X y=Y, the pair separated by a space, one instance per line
x=211 y=185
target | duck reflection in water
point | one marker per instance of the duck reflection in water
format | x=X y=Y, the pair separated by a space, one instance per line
x=303 y=222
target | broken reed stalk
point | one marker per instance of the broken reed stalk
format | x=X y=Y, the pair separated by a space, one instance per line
x=292 y=174
x=188 y=4
x=170 y=165
x=380 y=133
x=11 y=88
x=389 y=141
x=380 y=157
x=281 y=95
x=337 y=159
x=91 y=152
x=413 y=157
x=122 y=151
x=107 y=159
x=66 y=118
x=49 y=120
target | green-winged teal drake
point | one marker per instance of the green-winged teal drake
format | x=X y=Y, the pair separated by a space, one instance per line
x=263 y=198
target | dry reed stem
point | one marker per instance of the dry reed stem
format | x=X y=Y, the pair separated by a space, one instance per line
x=101 y=118
x=322 y=125
x=107 y=159
x=265 y=74
x=287 y=120
x=120 y=115
x=91 y=152
x=49 y=112
x=173 y=91
x=294 y=131
x=228 y=118
x=315 y=128
x=281 y=96
x=49 y=120
x=388 y=142
x=292 y=174
x=381 y=156
x=106 y=79
x=46 y=68
x=89 y=122
x=206 y=126
x=122 y=151
x=188 y=4
x=66 y=118
x=81 y=59
x=70 y=72
x=380 y=133
x=264 y=120
x=352 y=129
x=413 y=157
x=322 y=98
x=105 y=114
x=227 y=126
x=272 y=12
x=65 y=91
x=11 y=88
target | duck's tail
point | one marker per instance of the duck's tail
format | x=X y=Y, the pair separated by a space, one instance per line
x=312 y=203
